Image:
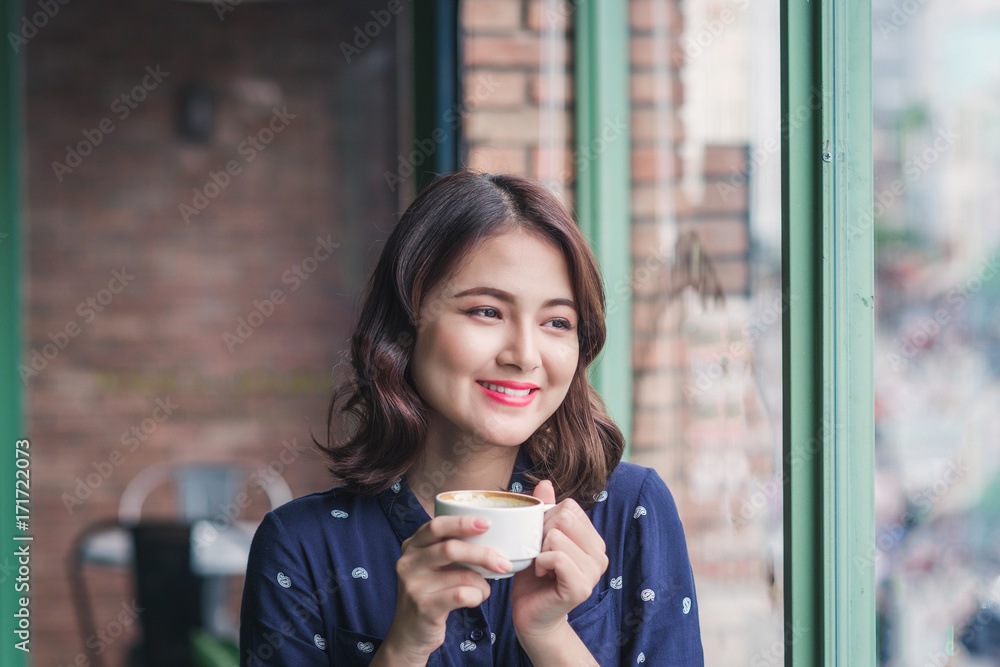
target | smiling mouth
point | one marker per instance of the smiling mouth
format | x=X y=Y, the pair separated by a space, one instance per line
x=517 y=393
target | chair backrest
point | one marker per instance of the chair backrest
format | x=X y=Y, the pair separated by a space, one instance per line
x=203 y=489
x=168 y=593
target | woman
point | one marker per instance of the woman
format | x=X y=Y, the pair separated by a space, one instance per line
x=469 y=367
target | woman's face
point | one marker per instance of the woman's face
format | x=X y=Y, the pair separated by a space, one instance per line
x=496 y=345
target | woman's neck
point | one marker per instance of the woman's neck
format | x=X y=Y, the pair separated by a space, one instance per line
x=442 y=469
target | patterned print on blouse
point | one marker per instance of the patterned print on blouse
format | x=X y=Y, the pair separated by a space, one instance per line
x=319 y=642
x=647 y=595
x=359 y=573
x=517 y=487
x=601 y=497
x=339 y=514
x=639 y=511
x=616 y=583
x=283 y=580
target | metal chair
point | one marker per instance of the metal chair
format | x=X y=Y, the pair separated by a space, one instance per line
x=200 y=547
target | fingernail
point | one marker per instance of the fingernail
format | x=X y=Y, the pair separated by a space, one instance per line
x=481 y=524
x=504 y=565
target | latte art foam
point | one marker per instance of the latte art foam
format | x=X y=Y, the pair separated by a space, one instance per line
x=484 y=500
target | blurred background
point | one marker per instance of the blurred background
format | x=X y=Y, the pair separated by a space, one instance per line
x=936 y=95
x=209 y=183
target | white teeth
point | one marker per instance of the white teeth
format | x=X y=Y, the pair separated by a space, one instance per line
x=505 y=390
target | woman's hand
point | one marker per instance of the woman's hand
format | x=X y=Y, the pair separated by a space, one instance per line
x=431 y=585
x=571 y=563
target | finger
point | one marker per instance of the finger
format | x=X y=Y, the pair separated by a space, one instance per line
x=579 y=529
x=545 y=492
x=570 y=518
x=443 y=527
x=453 y=551
x=591 y=565
x=571 y=584
x=445 y=601
x=433 y=584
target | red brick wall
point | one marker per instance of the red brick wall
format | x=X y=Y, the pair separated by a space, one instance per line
x=160 y=336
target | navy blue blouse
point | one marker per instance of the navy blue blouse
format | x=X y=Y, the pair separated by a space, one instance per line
x=321 y=583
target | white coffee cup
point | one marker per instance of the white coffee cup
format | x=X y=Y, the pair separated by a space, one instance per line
x=515 y=524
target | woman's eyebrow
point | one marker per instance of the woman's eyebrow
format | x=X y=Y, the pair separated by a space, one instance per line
x=507 y=297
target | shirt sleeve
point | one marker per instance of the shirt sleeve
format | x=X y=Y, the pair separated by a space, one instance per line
x=280 y=619
x=659 y=611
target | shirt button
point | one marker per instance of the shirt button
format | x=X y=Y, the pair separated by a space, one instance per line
x=476 y=635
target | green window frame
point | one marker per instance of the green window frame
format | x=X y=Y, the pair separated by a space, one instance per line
x=828 y=276
x=11 y=310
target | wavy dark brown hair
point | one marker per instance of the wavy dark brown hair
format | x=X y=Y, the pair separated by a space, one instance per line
x=377 y=421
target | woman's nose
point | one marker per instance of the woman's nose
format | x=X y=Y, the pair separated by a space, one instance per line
x=521 y=348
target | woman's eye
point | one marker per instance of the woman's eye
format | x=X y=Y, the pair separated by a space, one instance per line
x=485 y=312
x=562 y=324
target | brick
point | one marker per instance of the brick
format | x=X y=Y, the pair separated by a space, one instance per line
x=491 y=15
x=733 y=275
x=553 y=163
x=650 y=125
x=497 y=88
x=656 y=88
x=659 y=389
x=721 y=236
x=546 y=89
x=645 y=15
x=648 y=51
x=723 y=161
x=723 y=197
x=666 y=353
x=656 y=428
x=651 y=165
x=491 y=159
x=492 y=126
x=514 y=50
x=551 y=15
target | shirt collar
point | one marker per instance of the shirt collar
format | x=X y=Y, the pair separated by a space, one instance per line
x=405 y=514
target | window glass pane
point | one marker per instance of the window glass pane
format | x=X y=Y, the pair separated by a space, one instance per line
x=518 y=74
x=937 y=357
x=707 y=301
